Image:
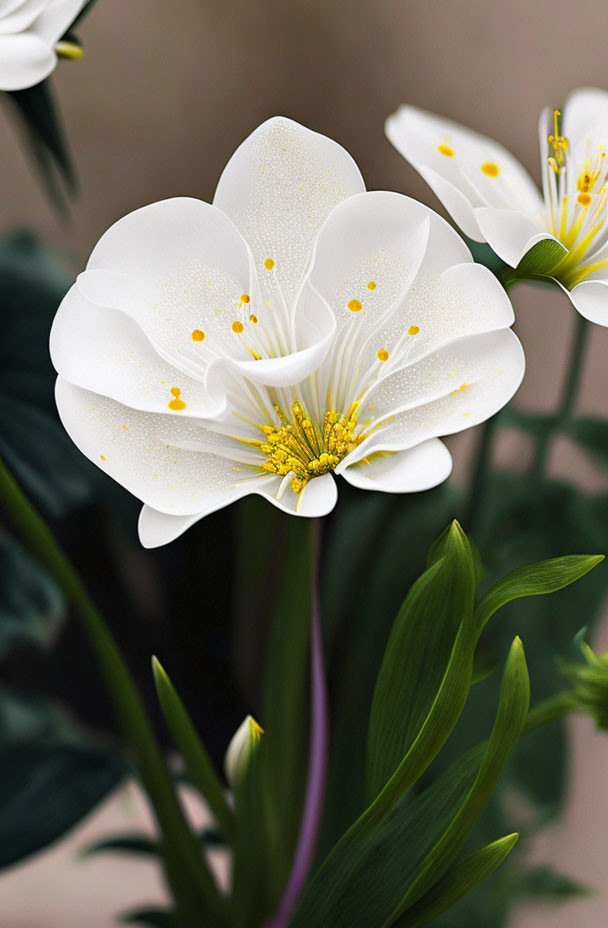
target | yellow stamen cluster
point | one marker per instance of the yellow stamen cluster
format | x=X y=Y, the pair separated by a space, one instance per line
x=558 y=142
x=306 y=449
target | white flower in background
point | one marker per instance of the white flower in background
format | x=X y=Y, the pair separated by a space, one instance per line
x=241 y=748
x=405 y=339
x=493 y=199
x=30 y=31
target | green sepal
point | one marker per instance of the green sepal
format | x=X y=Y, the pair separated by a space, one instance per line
x=541 y=260
x=417 y=654
x=463 y=878
x=199 y=766
x=536 y=580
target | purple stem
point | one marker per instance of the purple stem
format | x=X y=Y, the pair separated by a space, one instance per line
x=317 y=757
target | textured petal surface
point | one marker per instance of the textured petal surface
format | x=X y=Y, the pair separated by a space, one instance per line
x=278 y=188
x=420 y=468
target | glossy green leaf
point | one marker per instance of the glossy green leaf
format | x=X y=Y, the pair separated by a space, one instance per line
x=199 y=766
x=510 y=718
x=32 y=609
x=463 y=878
x=417 y=655
x=535 y=580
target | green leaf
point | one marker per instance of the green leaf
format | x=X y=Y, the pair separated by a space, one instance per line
x=198 y=763
x=463 y=878
x=138 y=844
x=417 y=655
x=592 y=435
x=544 y=884
x=542 y=259
x=151 y=916
x=536 y=424
x=32 y=609
x=510 y=718
x=535 y=580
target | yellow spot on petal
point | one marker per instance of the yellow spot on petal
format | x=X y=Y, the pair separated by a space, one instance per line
x=462 y=387
x=382 y=355
x=245 y=298
x=584 y=199
x=176 y=404
x=269 y=264
x=371 y=285
x=413 y=330
x=198 y=335
x=102 y=456
x=491 y=169
x=126 y=428
x=355 y=306
x=253 y=319
x=237 y=327
x=446 y=150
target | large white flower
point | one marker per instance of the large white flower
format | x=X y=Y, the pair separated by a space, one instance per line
x=373 y=329
x=493 y=199
x=29 y=33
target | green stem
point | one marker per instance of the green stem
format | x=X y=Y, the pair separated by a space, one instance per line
x=186 y=868
x=568 y=398
x=547 y=711
x=480 y=475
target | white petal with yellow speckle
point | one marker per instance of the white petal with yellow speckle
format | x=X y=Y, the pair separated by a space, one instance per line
x=493 y=199
x=415 y=344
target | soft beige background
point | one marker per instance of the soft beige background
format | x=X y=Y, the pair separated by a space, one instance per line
x=165 y=93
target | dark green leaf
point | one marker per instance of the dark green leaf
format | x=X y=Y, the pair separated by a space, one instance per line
x=544 y=884
x=141 y=845
x=31 y=607
x=592 y=435
x=150 y=916
x=417 y=655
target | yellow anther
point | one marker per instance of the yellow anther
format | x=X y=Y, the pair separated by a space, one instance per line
x=558 y=142
x=253 y=319
x=245 y=298
x=584 y=199
x=355 y=306
x=237 y=327
x=413 y=330
x=198 y=335
x=176 y=404
x=69 y=50
x=371 y=285
x=491 y=169
x=382 y=355
x=269 y=264
x=445 y=150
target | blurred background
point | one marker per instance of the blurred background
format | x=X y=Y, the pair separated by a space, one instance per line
x=164 y=94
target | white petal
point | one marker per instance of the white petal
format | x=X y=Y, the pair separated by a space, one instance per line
x=585 y=114
x=419 y=468
x=481 y=170
x=317 y=499
x=458 y=205
x=56 y=19
x=510 y=233
x=278 y=188
x=105 y=351
x=590 y=298
x=453 y=389
x=18 y=17
x=25 y=60
x=135 y=449
x=158 y=528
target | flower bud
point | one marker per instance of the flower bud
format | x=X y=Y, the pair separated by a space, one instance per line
x=590 y=685
x=241 y=748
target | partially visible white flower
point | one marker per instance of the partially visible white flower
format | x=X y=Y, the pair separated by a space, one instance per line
x=241 y=749
x=493 y=199
x=29 y=33
x=407 y=339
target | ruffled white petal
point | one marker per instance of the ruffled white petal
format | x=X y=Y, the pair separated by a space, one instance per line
x=464 y=166
x=56 y=18
x=278 y=188
x=105 y=351
x=585 y=116
x=159 y=528
x=454 y=389
x=419 y=468
x=18 y=16
x=25 y=60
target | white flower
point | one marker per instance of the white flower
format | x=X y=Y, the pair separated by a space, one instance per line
x=241 y=748
x=400 y=338
x=493 y=199
x=29 y=33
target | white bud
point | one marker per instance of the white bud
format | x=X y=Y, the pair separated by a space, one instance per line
x=243 y=744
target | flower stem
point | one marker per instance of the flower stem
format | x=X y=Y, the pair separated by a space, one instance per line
x=480 y=475
x=187 y=872
x=547 y=711
x=568 y=398
x=317 y=758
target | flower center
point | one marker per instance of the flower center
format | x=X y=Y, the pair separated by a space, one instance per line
x=302 y=448
x=577 y=204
